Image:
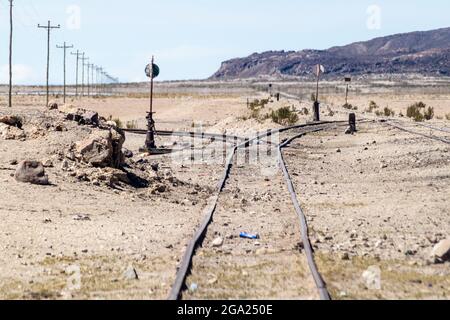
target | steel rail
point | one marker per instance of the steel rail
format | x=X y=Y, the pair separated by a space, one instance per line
x=389 y=123
x=202 y=135
x=197 y=240
x=446 y=130
x=320 y=283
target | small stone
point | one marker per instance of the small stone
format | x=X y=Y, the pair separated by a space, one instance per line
x=48 y=163
x=338 y=150
x=52 y=105
x=127 y=153
x=80 y=217
x=441 y=252
x=13 y=162
x=130 y=273
x=218 y=242
x=345 y=256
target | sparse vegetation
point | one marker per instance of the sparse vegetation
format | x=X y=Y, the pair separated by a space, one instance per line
x=258 y=104
x=350 y=107
x=305 y=111
x=372 y=106
x=447 y=116
x=429 y=113
x=118 y=122
x=419 y=112
x=388 y=112
x=330 y=112
x=133 y=124
x=284 y=116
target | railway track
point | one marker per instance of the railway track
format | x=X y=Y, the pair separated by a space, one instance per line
x=186 y=264
x=201 y=135
x=420 y=126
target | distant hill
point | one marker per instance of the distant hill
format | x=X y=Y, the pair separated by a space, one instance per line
x=426 y=53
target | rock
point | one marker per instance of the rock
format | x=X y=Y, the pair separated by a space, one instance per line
x=8 y=132
x=345 y=256
x=13 y=121
x=127 y=153
x=130 y=274
x=89 y=118
x=110 y=176
x=82 y=116
x=218 y=242
x=13 y=162
x=65 y=165
x=159 y=189
x=52 y=105
x=338 y=150
x=111 y=124
x=31 y=172
x=102 y=149
x=155 y=166
x=60 y=127
x=441 y=252
x=48 y=163
x=372 y=278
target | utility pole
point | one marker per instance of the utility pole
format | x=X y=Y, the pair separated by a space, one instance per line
x=10 y=51
x=92 y=78
x=64 y=47
x=83 y=59
x=49 y=27
x=78 y=54
x=98 y=80
x=88 y=71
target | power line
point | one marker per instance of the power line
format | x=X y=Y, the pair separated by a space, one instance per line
x=49 y=27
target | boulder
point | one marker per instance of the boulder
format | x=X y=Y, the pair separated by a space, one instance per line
x=13 y=121
x=31 y=172
x=441 y=251
x=102 y=149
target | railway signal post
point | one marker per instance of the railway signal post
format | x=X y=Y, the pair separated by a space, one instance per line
x=318 y=70
x=49 y=27
x=152 y=71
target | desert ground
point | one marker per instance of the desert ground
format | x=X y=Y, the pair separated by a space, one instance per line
x=376 y=201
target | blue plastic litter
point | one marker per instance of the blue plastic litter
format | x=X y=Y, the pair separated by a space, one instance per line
x=246 y=235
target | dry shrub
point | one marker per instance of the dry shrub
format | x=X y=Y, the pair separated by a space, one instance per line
x=284 y=116
x=419 y=112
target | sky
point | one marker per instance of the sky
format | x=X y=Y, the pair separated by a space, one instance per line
x=190 y=38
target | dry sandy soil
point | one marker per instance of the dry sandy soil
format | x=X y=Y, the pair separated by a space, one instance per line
x=382 y=201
